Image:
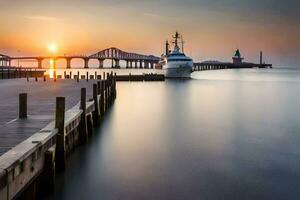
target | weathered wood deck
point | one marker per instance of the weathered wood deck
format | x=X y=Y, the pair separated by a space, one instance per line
x=41 y=106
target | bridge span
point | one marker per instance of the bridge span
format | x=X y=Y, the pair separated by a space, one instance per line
x=133 y=60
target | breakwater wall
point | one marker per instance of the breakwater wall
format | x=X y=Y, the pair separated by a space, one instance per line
x=27 y=171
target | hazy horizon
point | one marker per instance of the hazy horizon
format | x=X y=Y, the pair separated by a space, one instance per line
x=212 y=30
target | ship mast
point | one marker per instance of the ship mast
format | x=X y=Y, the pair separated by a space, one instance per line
x=176 y=37
x=182 y=44
x=167 y=47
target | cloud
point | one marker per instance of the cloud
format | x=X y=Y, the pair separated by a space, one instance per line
x=42 y=18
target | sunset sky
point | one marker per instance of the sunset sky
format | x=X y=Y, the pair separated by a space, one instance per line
x=212 y=29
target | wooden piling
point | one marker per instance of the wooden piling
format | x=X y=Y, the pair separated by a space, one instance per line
x=54 y=76
x=102 y=98
x=47 y=179
x=87 y=76
x=98 y=87
x=83 y=132
x=90 y=124
x=96 y=103
x=60 y=153
x=23 y=106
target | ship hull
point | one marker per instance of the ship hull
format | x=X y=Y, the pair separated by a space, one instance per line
x=178 y=70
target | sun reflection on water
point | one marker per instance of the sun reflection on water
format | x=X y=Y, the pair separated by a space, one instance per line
x=52 y=68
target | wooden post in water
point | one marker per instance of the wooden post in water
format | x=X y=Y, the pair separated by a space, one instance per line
x=27 y=76
x=101 y=98
x=47 y=183
x=23 y=106
x=54 y=76
x=96 y=102
x=98 y=87
x=60 y=153
x=83 y=132
x=87 y=76
x=89 y=122
x=44 y=78
x=78 y=76
x=70 y=74
x=65 y=74
x=106 y=95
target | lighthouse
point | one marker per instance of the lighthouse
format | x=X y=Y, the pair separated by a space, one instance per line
x=237 y=58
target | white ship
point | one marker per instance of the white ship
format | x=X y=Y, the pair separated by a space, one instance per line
x=175 y=63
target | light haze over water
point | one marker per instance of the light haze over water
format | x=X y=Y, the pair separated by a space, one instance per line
x=228 y=134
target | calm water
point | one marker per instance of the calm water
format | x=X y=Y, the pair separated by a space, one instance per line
x=231 y=134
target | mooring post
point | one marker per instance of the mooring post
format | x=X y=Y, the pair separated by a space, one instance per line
x=99 y=87
x=36 y=78
x=101 y=98
x=23 y=106
x=20 y=72
x=44 y=78
x=47 y=183
x=90 y=124
x=106 y=95
x=78 y=76
x=115 y=86
x=83 y=132
x=96 y=102
x=70 y=74
x=60 y=152
x=65 y=74
x=54 y=76
x=87 y=76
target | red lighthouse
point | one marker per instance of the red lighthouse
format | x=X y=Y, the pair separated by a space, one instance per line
x=237 y=58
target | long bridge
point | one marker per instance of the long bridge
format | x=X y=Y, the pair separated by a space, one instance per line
x=133 y=60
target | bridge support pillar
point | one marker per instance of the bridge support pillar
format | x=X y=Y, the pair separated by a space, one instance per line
x=136 y=64
x=117 y=63
x=101 y=61
x=146 y=65
x=141 y=64
x=40 y=65
x=86 y=62
x=151 y=65
x=112 y=63
x=68 y=63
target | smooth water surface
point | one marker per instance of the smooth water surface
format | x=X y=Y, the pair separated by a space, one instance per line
x=229 y=134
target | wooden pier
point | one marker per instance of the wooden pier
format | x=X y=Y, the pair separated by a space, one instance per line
x=223 y=65
x=53 y=118
x=18 y=72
